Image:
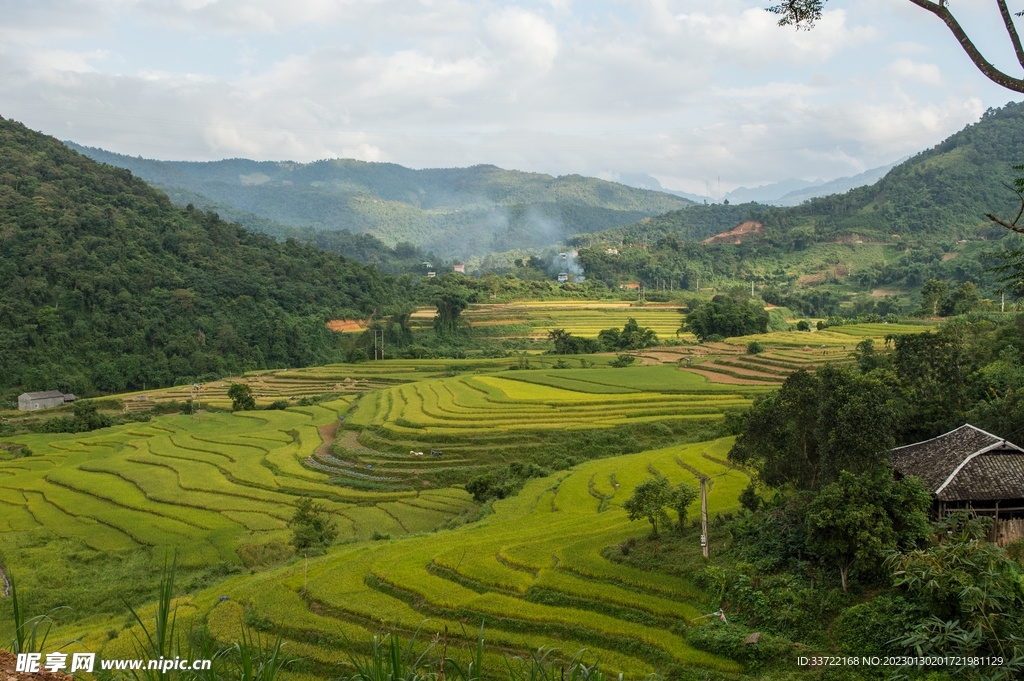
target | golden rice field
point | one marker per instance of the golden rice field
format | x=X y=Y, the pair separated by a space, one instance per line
x=582 y=318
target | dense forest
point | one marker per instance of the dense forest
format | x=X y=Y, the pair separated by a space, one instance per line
x=455 y=212
x=105 y=285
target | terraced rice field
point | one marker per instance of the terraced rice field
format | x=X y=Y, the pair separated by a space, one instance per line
x=582 y=318
x=201 y=488
x=533 y=572
x=485 y=419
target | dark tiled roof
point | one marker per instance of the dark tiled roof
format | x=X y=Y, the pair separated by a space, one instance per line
x=994 y=475
x=43 y=395
x=966 y=463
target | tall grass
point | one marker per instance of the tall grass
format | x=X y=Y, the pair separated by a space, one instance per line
x=390 y=660
x=31 y=634
x=248 y=659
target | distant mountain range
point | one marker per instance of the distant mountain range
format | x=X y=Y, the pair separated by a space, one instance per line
x=791 y=192
x=454 y=212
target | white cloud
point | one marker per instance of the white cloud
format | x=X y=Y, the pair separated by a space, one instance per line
x=905 y=69
x=683 y=90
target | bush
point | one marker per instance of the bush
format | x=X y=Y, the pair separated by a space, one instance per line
x=278 y=404
x=730 y=640
x=872 y=628
x=504 y=482
x=623 y=361
x=754 y=348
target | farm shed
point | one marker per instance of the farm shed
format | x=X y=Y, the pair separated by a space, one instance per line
x=971 y=469
x=43 y=400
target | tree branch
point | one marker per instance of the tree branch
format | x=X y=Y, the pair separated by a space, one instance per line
x=1009 y=225
x=1012 y=30
x=983 y=65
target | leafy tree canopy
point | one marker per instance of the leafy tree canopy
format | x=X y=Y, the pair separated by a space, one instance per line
x=313 y=530
x=723 y=316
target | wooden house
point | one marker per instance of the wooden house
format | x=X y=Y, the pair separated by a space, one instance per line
x=970 y=469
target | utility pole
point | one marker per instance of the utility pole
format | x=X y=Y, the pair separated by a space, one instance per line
x=704 y=516
x=1002 y=302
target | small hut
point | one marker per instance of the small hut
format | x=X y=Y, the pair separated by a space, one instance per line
x=43 y=400
x=970 y=469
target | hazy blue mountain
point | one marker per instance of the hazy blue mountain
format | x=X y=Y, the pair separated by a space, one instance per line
x=839 y=185
x=769 y=193
x=454 y=212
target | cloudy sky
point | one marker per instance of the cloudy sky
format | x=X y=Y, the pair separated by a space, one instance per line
x=686 y=91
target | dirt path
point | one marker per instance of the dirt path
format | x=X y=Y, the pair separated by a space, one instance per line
x=349 y=439
x=716 y=377
x=327 y=434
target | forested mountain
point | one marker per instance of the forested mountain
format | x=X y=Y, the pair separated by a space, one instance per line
x=106 y=285
x=454 y=212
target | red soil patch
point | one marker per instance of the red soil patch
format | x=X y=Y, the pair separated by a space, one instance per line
x=345 y=325
x=736 y=234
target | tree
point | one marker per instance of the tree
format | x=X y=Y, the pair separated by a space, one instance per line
x=682 y=496
x=816 y=426
x=964 y=299
x=649 y=500
x=631 y=337
x=724 y=317
x=568 y=344
x=934 y=295
x=859 y=519
x=450 y=305
x=804 y=13
x=241 y=397
x=313 y=530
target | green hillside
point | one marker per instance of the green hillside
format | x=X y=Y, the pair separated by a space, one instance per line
x=925 y=219
x=455 y=212
x=106 y=285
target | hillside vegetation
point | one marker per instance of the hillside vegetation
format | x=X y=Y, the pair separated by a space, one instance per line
x=924 y=220
x=455 y=212
x=105 y=285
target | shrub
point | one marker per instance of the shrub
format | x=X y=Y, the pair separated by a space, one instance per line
x=278 y=404
x=872 y=628
x=754 y=348
x=623 y=361
x=730 y=640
